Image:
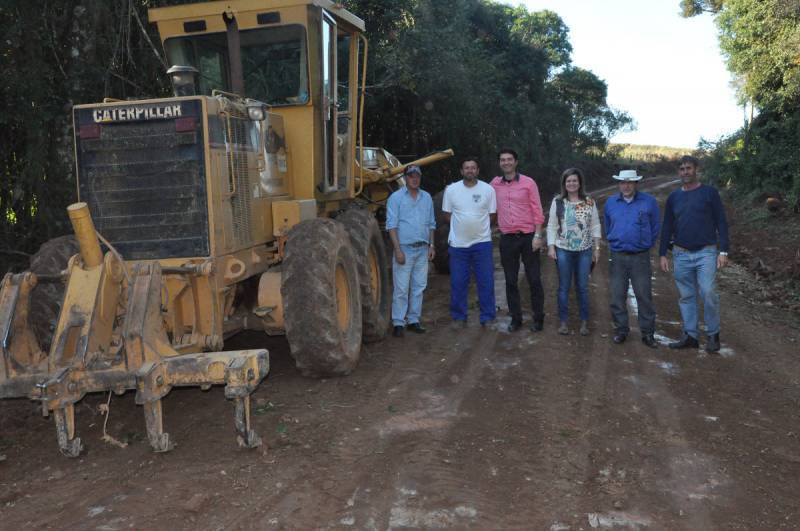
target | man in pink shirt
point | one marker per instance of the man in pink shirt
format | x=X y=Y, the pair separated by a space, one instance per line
x=520 y=217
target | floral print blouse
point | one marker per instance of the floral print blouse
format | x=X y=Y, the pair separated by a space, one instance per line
x=580 y=224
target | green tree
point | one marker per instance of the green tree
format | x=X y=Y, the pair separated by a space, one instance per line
x=54 y=55
x=760 y=39
x=592 y=121
x=690 y=8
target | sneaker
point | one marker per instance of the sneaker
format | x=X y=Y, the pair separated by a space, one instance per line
x=563 y=329
x=484 y=324
x=584 y=328
x=619 y=338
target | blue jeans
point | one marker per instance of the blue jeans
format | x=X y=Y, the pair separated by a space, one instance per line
x=464 y=261
x=410 y=280
x=575 y=264
x=697 y=271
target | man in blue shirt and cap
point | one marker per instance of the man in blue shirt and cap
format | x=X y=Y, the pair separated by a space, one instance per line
x=410 y=222
x=632 y=228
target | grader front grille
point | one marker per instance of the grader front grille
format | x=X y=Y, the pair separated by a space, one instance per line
x=239 y=140
x=141 y=169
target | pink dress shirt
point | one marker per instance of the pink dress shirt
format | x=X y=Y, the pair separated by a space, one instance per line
x=519 y=208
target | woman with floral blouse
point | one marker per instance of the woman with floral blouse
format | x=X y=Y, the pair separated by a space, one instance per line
x=573 y=236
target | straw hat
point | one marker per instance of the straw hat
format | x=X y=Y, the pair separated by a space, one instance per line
x=628 y=175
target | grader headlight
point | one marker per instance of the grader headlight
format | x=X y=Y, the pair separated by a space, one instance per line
x=256 y=111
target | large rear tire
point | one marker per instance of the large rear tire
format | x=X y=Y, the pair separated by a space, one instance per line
x=47 y=297
x=321 y=298
x=373 y=271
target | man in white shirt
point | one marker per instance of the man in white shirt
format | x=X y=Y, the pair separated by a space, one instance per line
x=468 y=206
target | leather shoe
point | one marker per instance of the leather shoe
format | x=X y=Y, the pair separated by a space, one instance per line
x=712 y=343
x=513 y=326
x=537 y=325
x=619 y=338
x=398 y=331
x=686 y=341
x=650 y=341
x=416 y=328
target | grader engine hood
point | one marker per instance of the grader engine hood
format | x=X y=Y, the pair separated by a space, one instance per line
x=141 y=170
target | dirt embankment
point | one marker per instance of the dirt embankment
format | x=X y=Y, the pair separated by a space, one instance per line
x=767 y=244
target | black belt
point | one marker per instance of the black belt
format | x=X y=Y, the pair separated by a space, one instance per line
x=517 y=234
x=416 y=244
x=632 y=252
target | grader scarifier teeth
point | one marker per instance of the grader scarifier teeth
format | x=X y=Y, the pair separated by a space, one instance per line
x=98 y=346
x=22 y=362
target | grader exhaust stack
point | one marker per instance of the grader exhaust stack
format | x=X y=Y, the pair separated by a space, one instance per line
x=85 y=233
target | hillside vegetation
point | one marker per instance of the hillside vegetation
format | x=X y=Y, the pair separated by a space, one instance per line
x=760 y=40
x=643 y=152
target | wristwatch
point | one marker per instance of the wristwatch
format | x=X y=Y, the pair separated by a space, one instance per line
x=723 y=253
x=537 y=236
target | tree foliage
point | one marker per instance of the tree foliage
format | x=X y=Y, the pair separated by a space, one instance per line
x=477 y=75
x=691 y=8
x=761 y=42
x=53 y=55
x=474 y=75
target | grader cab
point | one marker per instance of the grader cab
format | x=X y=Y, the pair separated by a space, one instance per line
x=246 y=201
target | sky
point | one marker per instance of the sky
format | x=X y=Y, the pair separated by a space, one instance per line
x=666 y=71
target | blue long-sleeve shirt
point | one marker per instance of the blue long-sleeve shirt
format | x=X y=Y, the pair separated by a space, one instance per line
x=631 y=227
x=413 y=218
x=694 y=219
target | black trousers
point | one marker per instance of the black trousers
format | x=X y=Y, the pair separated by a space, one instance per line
x=633 y=269
x=514 y=247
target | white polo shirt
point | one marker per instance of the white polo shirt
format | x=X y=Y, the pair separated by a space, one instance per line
x=470 y=208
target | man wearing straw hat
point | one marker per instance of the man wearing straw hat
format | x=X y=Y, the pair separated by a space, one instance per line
x=632 y=228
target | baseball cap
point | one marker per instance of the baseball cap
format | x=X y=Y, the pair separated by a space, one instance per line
x=413 y=169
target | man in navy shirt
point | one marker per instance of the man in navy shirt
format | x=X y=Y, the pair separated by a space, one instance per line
x=632 y=224
x=410 y=222
x=695 y=226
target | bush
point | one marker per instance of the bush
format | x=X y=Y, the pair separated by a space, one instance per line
x=762 y=159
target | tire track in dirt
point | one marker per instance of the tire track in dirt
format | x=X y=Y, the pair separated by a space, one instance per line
x=426 y=488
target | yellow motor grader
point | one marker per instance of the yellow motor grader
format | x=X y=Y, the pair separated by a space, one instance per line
x=246 y=201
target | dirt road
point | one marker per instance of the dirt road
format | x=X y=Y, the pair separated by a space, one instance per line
x=459 y=428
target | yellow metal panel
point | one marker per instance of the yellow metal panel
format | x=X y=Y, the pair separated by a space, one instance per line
x=287 y=214
x=201 y=10
x=299 y=127
x=270 y=303
x=168 y=28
